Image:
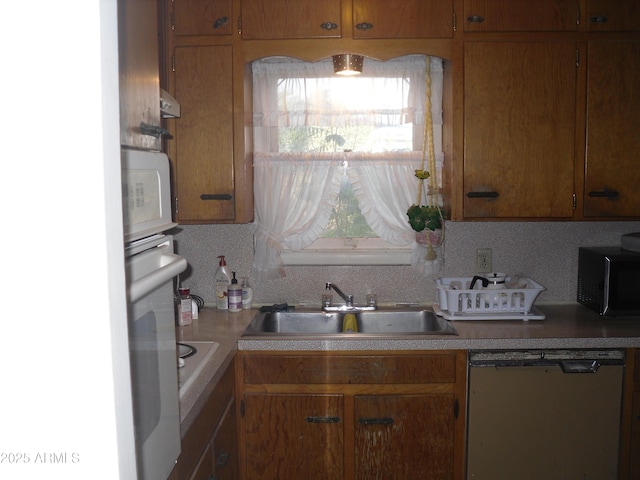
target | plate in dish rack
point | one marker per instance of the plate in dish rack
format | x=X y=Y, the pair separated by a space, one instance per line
x=534 y=314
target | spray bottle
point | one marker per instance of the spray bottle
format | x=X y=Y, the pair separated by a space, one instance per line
x=222 y=280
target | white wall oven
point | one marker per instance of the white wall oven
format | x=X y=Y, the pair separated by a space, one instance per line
x=151 y=269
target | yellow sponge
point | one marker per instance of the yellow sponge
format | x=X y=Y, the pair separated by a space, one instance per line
x=349 y=324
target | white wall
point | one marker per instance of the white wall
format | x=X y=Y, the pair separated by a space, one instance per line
x=65 y=401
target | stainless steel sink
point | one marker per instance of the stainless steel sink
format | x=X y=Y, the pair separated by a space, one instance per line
x=378 y=322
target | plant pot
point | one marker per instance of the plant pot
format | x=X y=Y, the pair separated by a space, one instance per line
x=427 y=236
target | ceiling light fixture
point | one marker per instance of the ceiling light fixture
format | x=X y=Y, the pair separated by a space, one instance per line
x=347 y=64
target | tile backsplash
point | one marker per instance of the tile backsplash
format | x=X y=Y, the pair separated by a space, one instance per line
x=544 y=251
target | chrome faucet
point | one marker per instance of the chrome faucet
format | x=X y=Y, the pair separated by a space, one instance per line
x=348 y=299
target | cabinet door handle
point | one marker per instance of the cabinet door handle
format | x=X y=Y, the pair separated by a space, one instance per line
x=483 y=194
x=599 y=19
x=475 y=19
x=219 y=22
x=376 y=421
x=311 y=419
x=222 y=459
x=364 y=26
x=328 y=26
x=604 y=194
x=153 y=130
x=215 y=196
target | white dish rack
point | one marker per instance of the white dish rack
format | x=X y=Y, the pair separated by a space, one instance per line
x=456 y=301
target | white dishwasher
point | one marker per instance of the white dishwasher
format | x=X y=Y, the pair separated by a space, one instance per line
x=552 y=414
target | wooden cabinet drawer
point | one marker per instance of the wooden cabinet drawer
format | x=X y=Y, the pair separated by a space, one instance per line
x=339 y=369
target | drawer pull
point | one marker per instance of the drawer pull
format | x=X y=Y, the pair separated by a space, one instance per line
x=475 y=19
x=364 y=26
x=376 y=421
x=215 y=196
x=604 y=193
x=328 y=26
x=599 y=19
x=323 y=419
x=219 y=22
x=483 y=194
x=222 y=459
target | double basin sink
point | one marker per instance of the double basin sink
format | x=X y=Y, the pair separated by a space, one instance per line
x=370 y=322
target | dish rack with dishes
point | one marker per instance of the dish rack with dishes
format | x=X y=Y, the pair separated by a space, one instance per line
x=457 y=301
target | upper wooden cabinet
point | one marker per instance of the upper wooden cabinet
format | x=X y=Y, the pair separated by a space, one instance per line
x=519 y=129
x=380 y=19
x=202 y=17
x=612 y=168
x=203 y=141
x=520 y=15
x=139 y=74
x=402 y=18
x=274 y=19
x=609 y=15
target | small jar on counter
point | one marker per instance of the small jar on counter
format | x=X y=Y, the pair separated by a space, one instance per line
x=185 y=313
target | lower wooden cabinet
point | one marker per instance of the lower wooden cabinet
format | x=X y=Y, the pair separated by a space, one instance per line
x=209 y=445
x=293 y=436
x=345 y=416
x=404 y=436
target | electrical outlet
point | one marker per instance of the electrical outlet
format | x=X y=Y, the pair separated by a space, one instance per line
x=483 y=260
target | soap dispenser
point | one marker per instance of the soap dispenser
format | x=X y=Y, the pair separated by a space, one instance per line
x=234 y=295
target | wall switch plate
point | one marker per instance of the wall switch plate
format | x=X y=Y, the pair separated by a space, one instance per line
x=483 y=260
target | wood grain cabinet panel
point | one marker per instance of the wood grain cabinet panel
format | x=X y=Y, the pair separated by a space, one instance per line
x=402 y=19
x=139 y=73
x=611 y=16
x=203 y=162
x=612 y=167
x=202 y=17
x=293 y=436
x=277 y=19
x=404 y=436
x=520 y=15
x=519 y=129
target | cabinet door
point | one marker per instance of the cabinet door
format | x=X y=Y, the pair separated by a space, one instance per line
x=613 y=129
x=139 y=73
x=402 y=18
x=272 y=19
x=608 y=15
x=519 y=129
x=202 y=17
x=203 y=163
x=204 y=469
x=520 y=15
x=293 y=436
x=225 y=453
x=404 y=436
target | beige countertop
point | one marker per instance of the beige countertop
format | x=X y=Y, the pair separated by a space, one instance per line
x=565 y=326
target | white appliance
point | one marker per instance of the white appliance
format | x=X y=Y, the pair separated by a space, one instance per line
x=544 y=414
x=151 y=268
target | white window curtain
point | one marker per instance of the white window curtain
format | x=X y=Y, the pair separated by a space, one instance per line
x=294 y=192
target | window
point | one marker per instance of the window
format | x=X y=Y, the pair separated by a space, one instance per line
x=334 y=159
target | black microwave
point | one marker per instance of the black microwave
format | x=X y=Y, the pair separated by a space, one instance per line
x=609 y=280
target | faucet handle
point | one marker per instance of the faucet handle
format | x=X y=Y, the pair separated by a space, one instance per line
x=327 y=286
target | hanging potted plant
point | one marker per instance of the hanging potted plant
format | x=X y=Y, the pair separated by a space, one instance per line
x=426 y=220
x=425 y=215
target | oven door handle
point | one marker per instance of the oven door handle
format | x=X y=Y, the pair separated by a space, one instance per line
x=172 y=265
